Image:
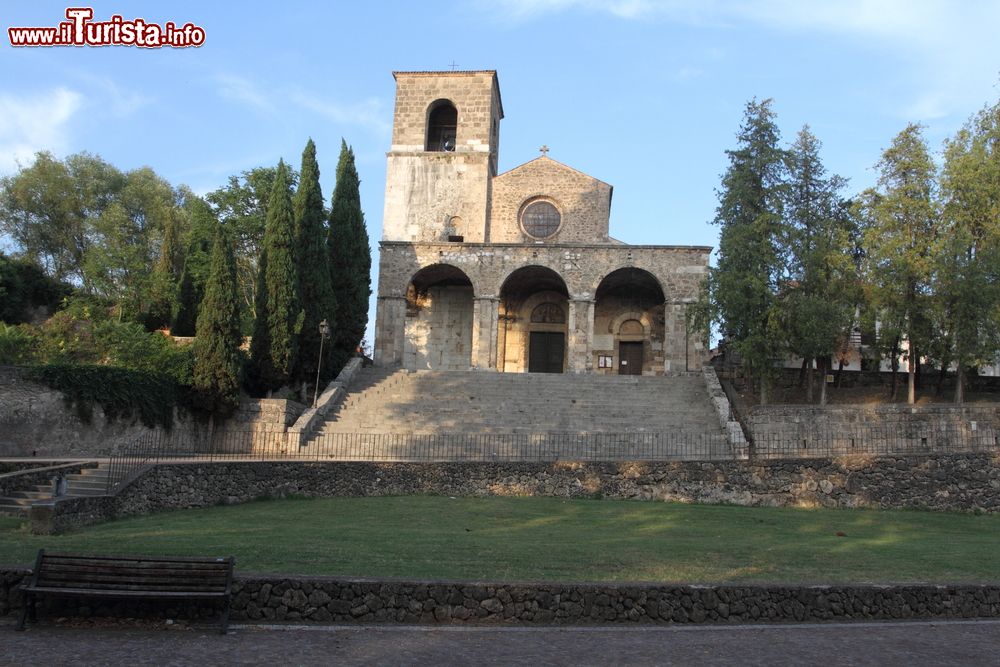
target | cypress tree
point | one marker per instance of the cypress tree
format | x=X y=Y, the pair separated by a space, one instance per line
x=744 y=285
x=279 y=316
x=350 y=259
x=315 y=290
x=197 y=264
x=217 y=347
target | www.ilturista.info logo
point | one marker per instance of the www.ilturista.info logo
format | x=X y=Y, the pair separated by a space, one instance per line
x=80 y=30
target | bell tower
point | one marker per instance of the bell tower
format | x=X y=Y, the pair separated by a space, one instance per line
x=445 y=137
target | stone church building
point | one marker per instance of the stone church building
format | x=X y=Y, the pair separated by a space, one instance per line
x=514 y=272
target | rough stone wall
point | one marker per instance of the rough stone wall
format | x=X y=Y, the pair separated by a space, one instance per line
x=299 y=599
x=425 y=193
x=955 y=482
x=439 y=330
x=264 y=415
x=584 y=203
x=36 y=421
x=791 y=429
x=431 y=195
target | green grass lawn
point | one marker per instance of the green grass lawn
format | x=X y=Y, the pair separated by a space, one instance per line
x=552 y=539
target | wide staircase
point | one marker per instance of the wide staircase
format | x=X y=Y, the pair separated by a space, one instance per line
x=423 y=406
x=88 y=482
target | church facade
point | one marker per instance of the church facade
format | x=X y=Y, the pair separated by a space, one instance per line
x=514 y=272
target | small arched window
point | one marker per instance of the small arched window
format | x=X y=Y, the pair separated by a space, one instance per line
x=442 y=126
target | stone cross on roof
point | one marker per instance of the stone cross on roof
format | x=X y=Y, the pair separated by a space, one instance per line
x=544 y=150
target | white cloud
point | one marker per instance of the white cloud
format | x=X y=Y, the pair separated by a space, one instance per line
x=31 y=123
x=121 y=102
x=242 y=90
x=368 y=113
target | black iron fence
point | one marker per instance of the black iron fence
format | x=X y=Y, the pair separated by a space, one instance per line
x=538 y=447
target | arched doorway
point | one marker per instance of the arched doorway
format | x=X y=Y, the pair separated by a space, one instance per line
x=439 y=313
x=629 y=323
x=534 y=307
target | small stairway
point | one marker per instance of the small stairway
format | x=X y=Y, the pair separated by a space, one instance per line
x=87 y=482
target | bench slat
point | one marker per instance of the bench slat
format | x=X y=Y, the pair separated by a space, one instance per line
x=107 y=564
x=103 y=592
x=158 y=559
x=134 y=574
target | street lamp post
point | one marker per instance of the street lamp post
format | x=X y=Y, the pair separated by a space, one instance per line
x=324 y=331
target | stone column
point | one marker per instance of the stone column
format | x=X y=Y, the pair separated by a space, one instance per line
x=485 y=311
x=680 y=351
x=390 y=329
x=580 y=328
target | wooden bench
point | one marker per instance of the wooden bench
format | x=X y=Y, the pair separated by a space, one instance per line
x=129 y=577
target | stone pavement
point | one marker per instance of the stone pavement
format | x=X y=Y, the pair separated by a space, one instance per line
x=901 y=643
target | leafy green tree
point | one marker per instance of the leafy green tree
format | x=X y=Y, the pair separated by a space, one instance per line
x=315 y=290
x=197 y=264
x=903 y=223
x=46 y=209
x=279 y=316
x=743 y=288
x=820 y=298
x=217 y=356
x=967 y=270
x=350 y=259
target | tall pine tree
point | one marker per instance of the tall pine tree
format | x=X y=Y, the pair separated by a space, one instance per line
x=743 y=287
x=902 y=224
x=315 y=290
x=820 y=298
x=350 y=259
x=218 y=359
x=279 y=315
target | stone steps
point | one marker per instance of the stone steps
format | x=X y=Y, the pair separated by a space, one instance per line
x=475 y=402
x=89 y=482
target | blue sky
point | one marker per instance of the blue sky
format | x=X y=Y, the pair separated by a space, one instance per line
x=643 y=94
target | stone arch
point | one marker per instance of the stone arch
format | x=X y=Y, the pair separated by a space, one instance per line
x=442 y=126
x=526 y=343
x=439 y=315
x=602 y=278
x=630 y=294
x=617 y=325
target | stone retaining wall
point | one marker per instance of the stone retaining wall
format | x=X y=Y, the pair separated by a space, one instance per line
x=35 y=420
x=271 y=598
x=793 y=429
x=962 y=482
